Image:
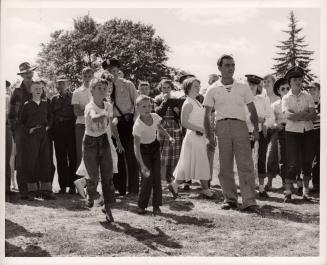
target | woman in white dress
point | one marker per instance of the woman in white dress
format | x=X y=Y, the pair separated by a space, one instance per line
x=193 y=163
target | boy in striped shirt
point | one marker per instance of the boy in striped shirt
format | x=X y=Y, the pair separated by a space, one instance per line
x=314 y=90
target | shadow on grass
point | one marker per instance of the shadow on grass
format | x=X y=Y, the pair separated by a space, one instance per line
x=180 y=206
x=279 y=213
x=189 y=220
x=66 y=201
x=32 y=250
x=144 y=236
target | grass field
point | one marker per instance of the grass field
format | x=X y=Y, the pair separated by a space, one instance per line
x=189 y=226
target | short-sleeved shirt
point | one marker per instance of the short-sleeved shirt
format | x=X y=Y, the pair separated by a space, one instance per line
x=125 y=96
x=81 y=97
x=147 y=133
x=296 y=103
x=97 y=129
x=279 y=115
x=229 y=100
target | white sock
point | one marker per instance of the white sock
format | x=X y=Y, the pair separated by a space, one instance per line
x=305 y=191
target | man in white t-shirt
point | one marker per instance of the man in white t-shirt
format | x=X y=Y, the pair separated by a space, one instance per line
x=228 y=97
x=81 y=97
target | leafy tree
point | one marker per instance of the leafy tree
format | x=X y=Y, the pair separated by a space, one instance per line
x=142 y=53
x=293 y=51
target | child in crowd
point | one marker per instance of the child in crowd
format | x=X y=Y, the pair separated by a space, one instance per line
x=281 y=88
x=144 y=89
x=147 y=152
x=81 y=171
x=314 y=89
x=169 y=108
x=266 y=120
x=299 y=108
x=36 y=119
x=96 y=148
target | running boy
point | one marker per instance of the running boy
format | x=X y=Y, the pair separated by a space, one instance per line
x=147 y=152
x=96 y=153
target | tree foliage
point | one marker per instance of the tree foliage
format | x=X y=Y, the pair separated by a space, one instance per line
x=293 y=51
x=143 y=54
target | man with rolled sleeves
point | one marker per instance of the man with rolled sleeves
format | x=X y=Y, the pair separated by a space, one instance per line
x=299 y=108
x=63 y=132
x=228 y=97
x=20 y=95
x=124 y=96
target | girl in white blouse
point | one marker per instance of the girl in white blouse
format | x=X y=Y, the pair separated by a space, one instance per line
x=266 y=120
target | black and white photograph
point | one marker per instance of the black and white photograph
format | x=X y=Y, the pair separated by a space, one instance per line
x=163 y=132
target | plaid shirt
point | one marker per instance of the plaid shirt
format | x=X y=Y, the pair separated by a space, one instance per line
x=19 y=96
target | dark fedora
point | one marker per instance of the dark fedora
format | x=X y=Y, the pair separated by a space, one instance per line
x=113 y=62
x=25 y=67
x=295 y=71
x=254 y=79
x=278 y=83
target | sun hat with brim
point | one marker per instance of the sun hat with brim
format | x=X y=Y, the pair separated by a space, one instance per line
x=25 y=67
x=278 y=83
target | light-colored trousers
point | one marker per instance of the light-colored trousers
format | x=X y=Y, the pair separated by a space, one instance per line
x=233 y=140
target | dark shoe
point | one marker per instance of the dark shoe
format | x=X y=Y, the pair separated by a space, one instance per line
x=252 y=209
x=72 y=191
x=288 y=198
x=141 y=210
x=62 y=191
x=228 y=205
x=156 y=211
x=268 y=188
x=299 y=191
x=172 y=190
x=48 y=195
x=27 y=197
x=89 y=202
x=263 y=195
x=186 y=187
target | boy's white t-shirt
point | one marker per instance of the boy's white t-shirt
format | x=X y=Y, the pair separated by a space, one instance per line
x=147 y=133
x=97 y=129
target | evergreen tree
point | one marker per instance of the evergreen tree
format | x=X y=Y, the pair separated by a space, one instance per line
x=293 y=52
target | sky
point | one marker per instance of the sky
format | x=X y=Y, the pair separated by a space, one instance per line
x=196 y=36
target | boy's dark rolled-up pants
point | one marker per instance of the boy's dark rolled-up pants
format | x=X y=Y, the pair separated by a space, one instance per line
x=97 y=155
x=151 y=158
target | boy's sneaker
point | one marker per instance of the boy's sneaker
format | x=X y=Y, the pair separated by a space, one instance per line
x=80 y=185
x=108 y=213
x=299 y=191
x=156 y=210
x=263 y=195
x=252 y=209
x=48 y=195
x=288 y=198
